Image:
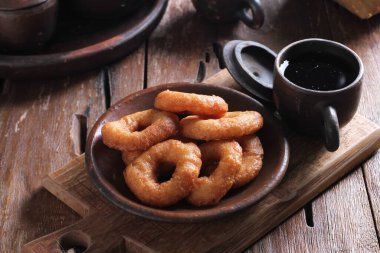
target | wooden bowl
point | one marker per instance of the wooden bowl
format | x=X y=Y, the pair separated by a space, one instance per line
x=105 y=165
x=23 y=28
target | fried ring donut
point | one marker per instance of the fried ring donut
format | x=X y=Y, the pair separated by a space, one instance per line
x=129 y=156
x=123 y=134
x=209 y=190
x=142 y=174
x=231 y=125
x=191 y=103
x=252 y=160
x=165 y=170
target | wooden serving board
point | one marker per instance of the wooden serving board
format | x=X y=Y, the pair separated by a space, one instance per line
x=105 y=228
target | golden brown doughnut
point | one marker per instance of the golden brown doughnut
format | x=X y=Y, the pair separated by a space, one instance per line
x=208 y=190
x=124 y=134
x=191 y=103
x=231 y=125
x=142 y=174
x=252 y=163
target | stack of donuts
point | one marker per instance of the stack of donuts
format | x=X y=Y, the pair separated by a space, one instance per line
x=198 y=158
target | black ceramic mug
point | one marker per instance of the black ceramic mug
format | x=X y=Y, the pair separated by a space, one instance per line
x=225 y=11
x=315 y=84
x=317 y=87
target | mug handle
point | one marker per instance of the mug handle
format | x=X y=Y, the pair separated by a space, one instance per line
x=330 y=128
x=257 y=19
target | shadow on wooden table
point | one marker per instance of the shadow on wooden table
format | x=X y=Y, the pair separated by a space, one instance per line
x=37 y=214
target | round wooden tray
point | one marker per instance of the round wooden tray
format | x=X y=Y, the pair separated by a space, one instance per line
x=81 y=44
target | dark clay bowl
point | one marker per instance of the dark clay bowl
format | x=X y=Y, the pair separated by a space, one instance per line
x=105 y=166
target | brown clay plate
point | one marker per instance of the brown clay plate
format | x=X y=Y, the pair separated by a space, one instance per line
x=80 y=44
x=105 y=165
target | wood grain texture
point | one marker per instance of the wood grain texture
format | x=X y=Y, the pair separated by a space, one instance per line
x=127 y=76
x=371 y=105
x=363 y=37
x=38 y=133
x=305 y=178
x=180 y=49
x=342 y=215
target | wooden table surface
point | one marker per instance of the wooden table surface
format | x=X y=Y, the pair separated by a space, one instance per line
x=43 y=124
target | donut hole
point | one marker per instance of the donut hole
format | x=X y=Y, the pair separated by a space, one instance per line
x=165 y=171
x=141 y=127
x=208 y=167
x=210 y=162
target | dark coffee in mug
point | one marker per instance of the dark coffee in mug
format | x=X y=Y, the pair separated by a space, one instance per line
x=319 y=71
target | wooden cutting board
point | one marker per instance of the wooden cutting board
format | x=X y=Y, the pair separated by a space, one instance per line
x=105 y=228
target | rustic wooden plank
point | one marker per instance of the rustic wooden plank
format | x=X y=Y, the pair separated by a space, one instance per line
x=333 y=229
x=73 y=187
x=372 y=111
x=40 y=133
x=180 y=49
x=363 y=37
x=372 y=175
x=126 y=76
x=70 y=179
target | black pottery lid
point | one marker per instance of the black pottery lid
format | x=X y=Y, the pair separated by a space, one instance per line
x=251 y=64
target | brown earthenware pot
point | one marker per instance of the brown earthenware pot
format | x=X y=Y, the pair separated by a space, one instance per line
x=25 y=27
x=105 y=165
x=318 y=112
